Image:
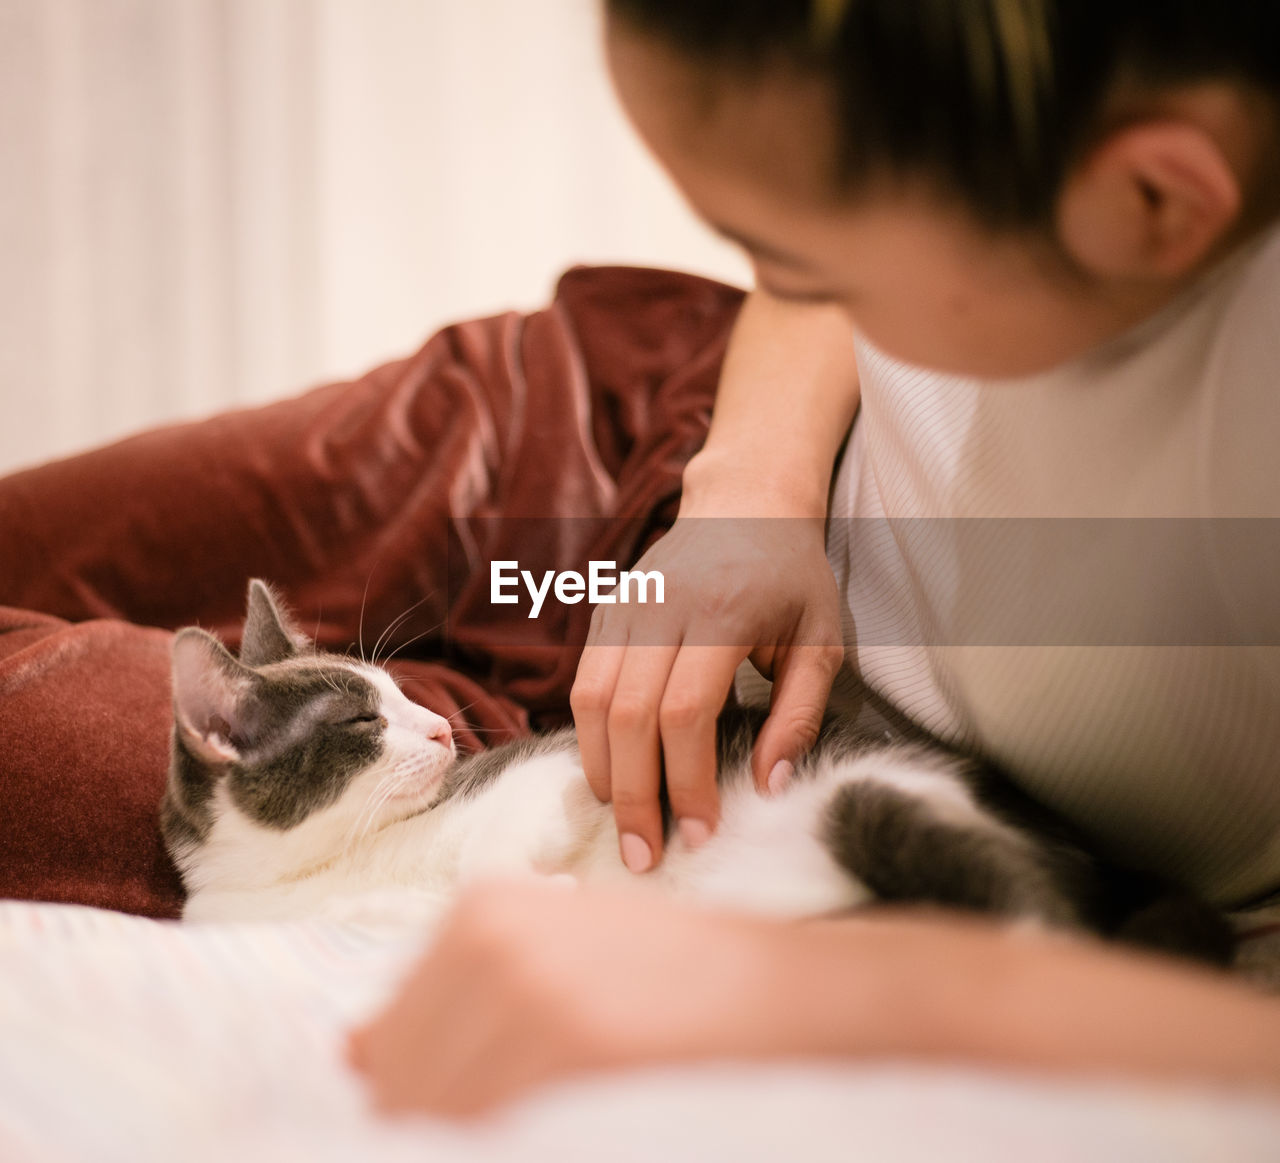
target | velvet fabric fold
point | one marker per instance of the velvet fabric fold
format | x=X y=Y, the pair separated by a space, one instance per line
x=552 y=438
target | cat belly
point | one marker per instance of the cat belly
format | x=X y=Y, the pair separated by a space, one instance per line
x=766 y=856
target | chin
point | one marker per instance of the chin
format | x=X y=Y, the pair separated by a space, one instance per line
x=426 y=788
x=1000 y=360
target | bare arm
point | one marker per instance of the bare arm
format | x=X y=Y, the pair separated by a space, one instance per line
x=787 y=396
x=950 y=988
x=647 y=691
x=528 y=984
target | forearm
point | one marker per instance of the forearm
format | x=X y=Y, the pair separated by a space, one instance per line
x=968 y=991
x=786 y=399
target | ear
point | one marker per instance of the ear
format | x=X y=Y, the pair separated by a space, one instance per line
x=209 y=690
x=1150 y=203
x=269 y=635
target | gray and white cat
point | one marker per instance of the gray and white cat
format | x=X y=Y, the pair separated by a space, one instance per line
x=304 y=782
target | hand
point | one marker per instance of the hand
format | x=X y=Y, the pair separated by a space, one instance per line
x=652 y=680
x=528 y=983
x=747 y=577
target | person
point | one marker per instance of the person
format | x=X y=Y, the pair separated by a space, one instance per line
x=1033 y=246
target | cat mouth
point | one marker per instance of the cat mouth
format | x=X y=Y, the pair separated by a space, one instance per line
x=424 y=785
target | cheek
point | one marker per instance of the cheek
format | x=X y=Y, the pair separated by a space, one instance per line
x=398 y=741
x=409 y=743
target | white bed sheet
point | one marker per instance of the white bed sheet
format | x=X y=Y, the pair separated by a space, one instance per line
x=135 y=1040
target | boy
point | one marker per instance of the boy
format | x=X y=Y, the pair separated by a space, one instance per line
x=1052 y=227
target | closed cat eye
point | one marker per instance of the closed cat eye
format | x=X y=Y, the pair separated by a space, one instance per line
x=367 y=717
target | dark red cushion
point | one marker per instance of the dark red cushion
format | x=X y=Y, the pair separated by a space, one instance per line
x=551 y=438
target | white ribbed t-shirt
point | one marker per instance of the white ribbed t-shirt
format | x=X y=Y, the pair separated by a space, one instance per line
x=1069 y=573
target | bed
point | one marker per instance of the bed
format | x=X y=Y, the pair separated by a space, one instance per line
x=126 y=1038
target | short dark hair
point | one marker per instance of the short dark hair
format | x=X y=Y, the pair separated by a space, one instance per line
x=992 y=99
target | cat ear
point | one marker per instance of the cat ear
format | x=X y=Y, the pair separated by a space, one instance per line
x=269 y=636
x=209 y=691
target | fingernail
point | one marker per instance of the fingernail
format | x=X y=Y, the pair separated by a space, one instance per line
x=636 y=854
x=781 y=776
x=693 y=832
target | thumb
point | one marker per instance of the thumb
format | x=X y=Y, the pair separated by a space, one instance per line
x=802 y=678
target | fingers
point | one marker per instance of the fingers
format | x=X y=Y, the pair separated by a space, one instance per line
x=699 y=681
x=802 y=679
x=590 y=699
x=444 y=1044
x=635 y=755
x=638 y=707
x=388 y=1048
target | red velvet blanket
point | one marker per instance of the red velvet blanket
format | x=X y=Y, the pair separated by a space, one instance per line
x=553 y=439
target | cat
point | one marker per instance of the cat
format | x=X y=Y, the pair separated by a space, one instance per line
x=305 y=783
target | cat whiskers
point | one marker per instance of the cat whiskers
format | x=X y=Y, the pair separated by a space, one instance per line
x=460 y=712
x=330 y=682
x=364 y=597
x=394 y=625
x=399 y=777
x=410 y=642
x=364 y=821
x=458 y=723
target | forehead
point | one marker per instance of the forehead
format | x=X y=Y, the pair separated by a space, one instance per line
x=382 y=685
x=715 y=124
x=301 y=680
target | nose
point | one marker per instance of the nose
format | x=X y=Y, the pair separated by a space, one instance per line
x=432 y=726
x=441 y=732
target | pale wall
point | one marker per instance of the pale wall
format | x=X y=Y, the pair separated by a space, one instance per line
x=206 y=203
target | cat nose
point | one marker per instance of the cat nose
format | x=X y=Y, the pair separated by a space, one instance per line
x=441 y=732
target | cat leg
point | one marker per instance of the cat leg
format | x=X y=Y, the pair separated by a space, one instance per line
x=536 y=820
x=904 y=850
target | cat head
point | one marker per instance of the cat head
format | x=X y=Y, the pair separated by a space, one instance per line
x=286 y=755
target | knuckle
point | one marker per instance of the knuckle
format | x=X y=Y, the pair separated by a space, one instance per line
x=716 y=604
x=633 y=803
x=682 y=712
x=630 y=715
x=802 y=725
x=831 y=657
x=589 y=696
x=700 y=802
x=607 y=629
x=599 y=783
